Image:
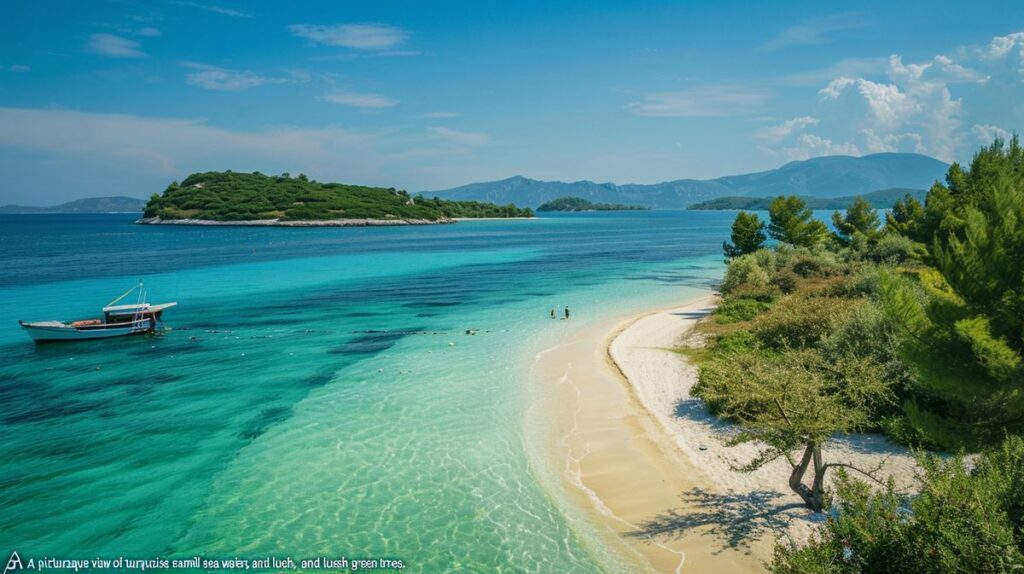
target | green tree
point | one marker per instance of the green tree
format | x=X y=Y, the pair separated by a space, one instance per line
x=792 y=222
x=962 y=520
x=905 y=214
x=967 y=329
x=794 y=401
x=860 y=218
x=747 y=235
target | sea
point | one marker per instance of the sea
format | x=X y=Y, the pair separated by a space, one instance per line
x=317 y=392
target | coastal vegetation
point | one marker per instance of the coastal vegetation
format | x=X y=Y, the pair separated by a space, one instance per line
x=883 y=198
x=913 y=328
x=580 y=204
x=229 y=196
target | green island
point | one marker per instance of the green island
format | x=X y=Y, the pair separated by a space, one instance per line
x=883 y=198
x=911 y=326
x=227 y=197
x=580 y=204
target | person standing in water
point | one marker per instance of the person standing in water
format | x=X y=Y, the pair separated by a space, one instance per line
x=552 y=313
x=567 y=312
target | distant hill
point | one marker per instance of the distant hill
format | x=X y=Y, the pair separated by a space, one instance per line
x=580 y=204
x=829 y=176
x=118 y=204
x=881 y=199
x=225 y=196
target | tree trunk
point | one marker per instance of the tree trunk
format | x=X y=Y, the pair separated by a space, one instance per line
x=813 y=497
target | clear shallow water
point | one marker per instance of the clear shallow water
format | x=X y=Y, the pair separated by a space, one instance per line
x=318 y=393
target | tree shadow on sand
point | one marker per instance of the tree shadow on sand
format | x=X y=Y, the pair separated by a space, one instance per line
x=736 y=519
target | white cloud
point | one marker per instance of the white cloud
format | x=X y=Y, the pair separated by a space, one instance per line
x=216 y=9
x=215 y=78
x=913 y=109
x=1001 y=46
x=778 y=132
x=114 y=46
x=702 y=101
x=355 y=36
x=19 y=68
x=440 y=115
x=814 y=32
x=358 y=100
x=149 y=31
x=987 y=133
x=461 y=138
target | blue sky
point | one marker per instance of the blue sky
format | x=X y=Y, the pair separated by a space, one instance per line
x=108 y=98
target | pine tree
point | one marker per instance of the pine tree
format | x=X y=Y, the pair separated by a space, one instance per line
x=860 y=218
x=792 y=222
x=905 y=214
x=967 y=330
x=747 y=235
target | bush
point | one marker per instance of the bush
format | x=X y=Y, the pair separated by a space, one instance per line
x=812 y=266
x=736 y=309
x=963 y=520
x=894 y=249
x=786 y=280
x=746 y=270
x=801 y=321
x=736 y=342
x=864 y=282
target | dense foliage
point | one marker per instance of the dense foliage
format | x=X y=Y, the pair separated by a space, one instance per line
x=228 y=196
x=793 y=223
x=580 y=204
x=747 y=235
x=965 y=317
x=963 y=519
x=914 y=328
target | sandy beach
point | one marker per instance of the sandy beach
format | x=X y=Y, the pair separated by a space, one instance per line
x=648 y=461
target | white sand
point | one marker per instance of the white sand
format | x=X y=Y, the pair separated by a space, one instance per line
x=662 y=380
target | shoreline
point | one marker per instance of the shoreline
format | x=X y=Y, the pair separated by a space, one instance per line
x=614 y=464
x=319 y=222
x=296 y=223
x=648 y=462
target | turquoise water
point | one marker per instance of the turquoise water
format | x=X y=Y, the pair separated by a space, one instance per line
x=317 y=393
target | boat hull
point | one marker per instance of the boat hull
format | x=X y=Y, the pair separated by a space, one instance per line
x=67 y=333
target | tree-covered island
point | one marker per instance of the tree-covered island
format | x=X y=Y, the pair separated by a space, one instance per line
x=580 y=204
x=228 y=198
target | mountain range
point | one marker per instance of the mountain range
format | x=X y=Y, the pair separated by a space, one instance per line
x=881 y=199
x=118 y=204
x=827 y=177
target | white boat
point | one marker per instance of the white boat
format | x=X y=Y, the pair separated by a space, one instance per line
x=118 y=320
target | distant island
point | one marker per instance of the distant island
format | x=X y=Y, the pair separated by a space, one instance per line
x=117 y=204
x=881 y=199
x=580 y=204
x=229 y=198
x=827 y=176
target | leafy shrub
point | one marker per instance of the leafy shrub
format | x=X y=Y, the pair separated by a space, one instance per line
x=963 y=520
x=767 y=294
x=865 y=281
x=745 y=270
x=735 y=342
x=894 y=249
x=801 y=321
x=818 y=265
x=736 y=309
x=786 y=280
